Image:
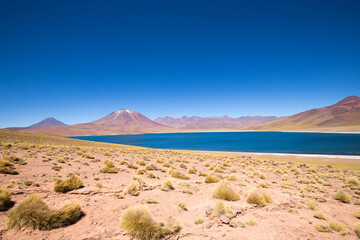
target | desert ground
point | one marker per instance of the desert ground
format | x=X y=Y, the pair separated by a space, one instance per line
x=197 y=195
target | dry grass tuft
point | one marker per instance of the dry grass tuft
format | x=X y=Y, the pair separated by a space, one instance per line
x=183 y=206
x=69 y=184
x=198 y=221
x=132 y=189
x=259 y=197
x=357 y=229
x=192 y=170
x=109 y=167
x=220 y=209
x=322 y=228
x=211 y=179
x=5 y=199
x=342 y=196
x=352 y=181
x=311 y=204
x=337 y=226
x=7 y=167
x=357 y=214
x=319 y=215
x=35 y=214
x=138 y=223
x=176 y=174
x=223 y=191
x=167 y=185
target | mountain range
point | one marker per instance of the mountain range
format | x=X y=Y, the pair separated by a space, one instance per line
x=213 y=123
x=123 y=121
x=342 y=116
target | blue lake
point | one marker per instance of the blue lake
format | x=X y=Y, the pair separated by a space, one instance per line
x=263 y=142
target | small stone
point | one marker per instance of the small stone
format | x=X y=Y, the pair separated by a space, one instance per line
x=224 y=219
x=21 y=186
x=208 y=211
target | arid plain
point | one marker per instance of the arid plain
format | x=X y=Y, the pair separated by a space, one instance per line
x=197 y=195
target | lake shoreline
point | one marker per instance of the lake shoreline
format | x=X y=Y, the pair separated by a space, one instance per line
x=281 y=143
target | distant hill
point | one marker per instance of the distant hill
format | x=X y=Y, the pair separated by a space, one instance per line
x=342 y=116
x=48 y=122
x=213 y=123
x=123 y=121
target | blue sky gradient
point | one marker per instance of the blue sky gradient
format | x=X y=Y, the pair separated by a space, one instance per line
x=80 y=60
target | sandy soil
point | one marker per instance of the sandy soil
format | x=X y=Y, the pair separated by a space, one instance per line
x=287 y=217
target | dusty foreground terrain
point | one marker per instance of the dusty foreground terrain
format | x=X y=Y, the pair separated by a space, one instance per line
x=301 y=188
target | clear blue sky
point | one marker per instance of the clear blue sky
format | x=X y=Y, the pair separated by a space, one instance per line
x=80 y=60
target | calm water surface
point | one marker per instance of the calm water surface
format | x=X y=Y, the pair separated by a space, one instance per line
x=263 y=142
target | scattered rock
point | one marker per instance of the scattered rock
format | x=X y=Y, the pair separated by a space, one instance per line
x=208 y=224
x=224 y=219
x=21 y=186
x=208 y=211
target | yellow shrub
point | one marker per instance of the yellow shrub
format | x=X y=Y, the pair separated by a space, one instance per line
x=337 y=226
x=342 y=196
x=5 y=199
x=133 y=189
x=35 y=214
x=167 y=185
x=357 y=229
x=220 y=209
x=69 y=184
x=211 y=179
x=223 y=191
x=259 y=197
x=138 y=223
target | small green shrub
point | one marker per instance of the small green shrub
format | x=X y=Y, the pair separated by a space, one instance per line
x=138 y=223
x=35 y=214
x=198 y=221
x=223 y=191
x=69 y=184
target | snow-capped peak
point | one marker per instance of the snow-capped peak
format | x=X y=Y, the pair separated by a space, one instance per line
x=123 y=110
